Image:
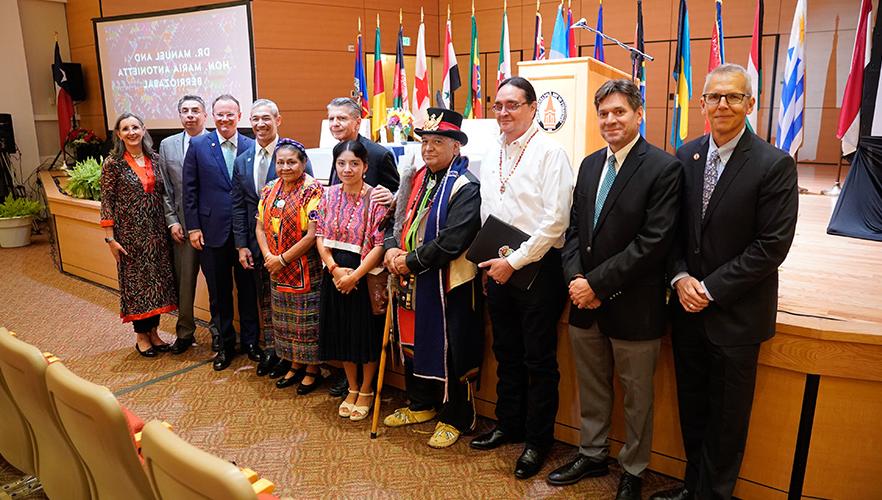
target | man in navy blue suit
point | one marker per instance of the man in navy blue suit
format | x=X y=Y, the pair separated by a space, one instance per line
x=208 y=206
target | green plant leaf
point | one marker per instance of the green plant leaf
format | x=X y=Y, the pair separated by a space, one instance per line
x=85 y=179
x=19 y=207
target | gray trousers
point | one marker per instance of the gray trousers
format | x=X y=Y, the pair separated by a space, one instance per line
x=186 y=272
x=596 y=355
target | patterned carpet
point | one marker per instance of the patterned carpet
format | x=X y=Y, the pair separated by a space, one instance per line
x=297 y=442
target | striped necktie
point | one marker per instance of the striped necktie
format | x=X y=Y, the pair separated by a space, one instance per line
x=711 y=172
x=604 y=188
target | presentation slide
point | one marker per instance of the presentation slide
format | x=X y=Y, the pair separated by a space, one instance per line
x=148 y=63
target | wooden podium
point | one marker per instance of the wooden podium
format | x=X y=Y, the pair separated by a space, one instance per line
x=565 y=91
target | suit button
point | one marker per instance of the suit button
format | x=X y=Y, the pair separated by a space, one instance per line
x=588 y=249
x=697 y=251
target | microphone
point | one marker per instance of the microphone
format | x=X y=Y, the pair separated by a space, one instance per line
x=581 y=23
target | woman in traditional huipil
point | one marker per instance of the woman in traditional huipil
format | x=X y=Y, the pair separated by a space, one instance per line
x=285 y=231
x=135 y=231
x=350 y=242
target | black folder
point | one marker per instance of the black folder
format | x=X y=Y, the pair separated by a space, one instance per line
x=494 y=236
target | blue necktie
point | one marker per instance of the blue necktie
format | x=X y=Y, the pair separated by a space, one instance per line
x=711 y=172
x=229 y=151
x=604 y=188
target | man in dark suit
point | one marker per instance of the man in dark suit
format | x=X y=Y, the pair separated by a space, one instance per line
x=621 y=228
x=738 y=218
x=344 y=121
x=172 y=150
x=208 y=206
x=251 y=171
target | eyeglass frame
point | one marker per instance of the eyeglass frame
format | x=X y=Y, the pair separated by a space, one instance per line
x=511 y=107
x=720 y=98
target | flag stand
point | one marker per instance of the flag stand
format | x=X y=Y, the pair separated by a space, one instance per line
x=837 y=186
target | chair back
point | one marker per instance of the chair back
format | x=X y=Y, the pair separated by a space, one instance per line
x=97 y=427
x=16 y=440
x=178 y=470
x=59 y=469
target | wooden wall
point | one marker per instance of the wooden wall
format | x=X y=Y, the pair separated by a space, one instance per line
x=302 y=57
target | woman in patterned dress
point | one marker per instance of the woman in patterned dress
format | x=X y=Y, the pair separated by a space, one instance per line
x=135 y=231
x=286 y=219
x=350 y=243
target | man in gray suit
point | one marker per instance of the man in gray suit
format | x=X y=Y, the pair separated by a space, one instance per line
x=171 y=158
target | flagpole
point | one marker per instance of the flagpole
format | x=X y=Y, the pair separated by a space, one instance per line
x=583 y=24
x=837 y=187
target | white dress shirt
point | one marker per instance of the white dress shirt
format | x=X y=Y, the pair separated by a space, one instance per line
x=725 y=151
x=258 y=155
x=537 y=195
x=621 y=155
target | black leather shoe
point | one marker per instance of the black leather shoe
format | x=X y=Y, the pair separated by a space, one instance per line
x=223 y=359
x=150 y=352
x=494 y=439
x=576 y=470
x=293 y=379
x=253 y=351
x=215 y=343
x=529 y=463
x=163 y=347
x=629 y=487
x=317 y=380
x=339 y=386
x=680 y=493
x=269 y=361
x=181 y=345
x=281 y=368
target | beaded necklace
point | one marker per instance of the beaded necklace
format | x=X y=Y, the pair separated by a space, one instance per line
x=503 y=180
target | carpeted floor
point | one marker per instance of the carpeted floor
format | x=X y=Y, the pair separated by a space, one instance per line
x=297 y=442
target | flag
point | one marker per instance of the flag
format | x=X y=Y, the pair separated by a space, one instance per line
x=378 y=121
x=474 y=106
x=359 y=92
x=421 y=95
x=682 y=80
x=641 y=64
x=63 y=103
x=716 y=56
x=538 y=41
x=571 y=34
x=451 y=80
x=503 y=71
x=790 y=115
x=850 y=112
x=755 y=62
x=871 y=114
x=598 y=40
x=559 y=36
x=399 y=84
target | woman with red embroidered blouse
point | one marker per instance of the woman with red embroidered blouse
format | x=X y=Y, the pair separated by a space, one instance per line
x=135 y=231
x=350 y=243
x=285 y=231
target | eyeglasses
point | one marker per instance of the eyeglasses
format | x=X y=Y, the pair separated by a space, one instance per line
x=735 y=98
x=511 y=107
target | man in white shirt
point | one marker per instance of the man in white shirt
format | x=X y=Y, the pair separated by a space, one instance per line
x=172 y=149
x=527 y=182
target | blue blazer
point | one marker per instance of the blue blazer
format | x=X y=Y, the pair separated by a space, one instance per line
x=208 y=204
x=246 y=197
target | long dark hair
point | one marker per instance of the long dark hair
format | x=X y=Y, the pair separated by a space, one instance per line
x=357 y=149
x=119 y=147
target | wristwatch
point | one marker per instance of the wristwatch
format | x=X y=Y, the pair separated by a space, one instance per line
x=108 y=240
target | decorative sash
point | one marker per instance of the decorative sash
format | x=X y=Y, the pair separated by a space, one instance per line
x=423 y=329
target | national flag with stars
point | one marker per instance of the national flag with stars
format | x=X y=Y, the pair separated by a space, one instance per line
x=451 y=80
x=791 y=112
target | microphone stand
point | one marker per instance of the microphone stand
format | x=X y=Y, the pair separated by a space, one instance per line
x=635 y=53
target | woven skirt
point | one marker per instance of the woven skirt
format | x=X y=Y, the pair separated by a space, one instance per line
x=296 y=319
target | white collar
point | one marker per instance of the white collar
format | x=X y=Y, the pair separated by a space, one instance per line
x=622 y=154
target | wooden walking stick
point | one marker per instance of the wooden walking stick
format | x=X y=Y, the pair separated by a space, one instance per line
x=382 y=368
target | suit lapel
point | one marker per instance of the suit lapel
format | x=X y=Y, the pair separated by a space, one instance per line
x=699 y=163
x=592 y=172
x=632 y=163
x=218 y=154
x=733 y=166
x=271 y=171
x=250 y=155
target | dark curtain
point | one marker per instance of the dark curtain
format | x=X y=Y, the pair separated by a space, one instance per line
x=858 y=211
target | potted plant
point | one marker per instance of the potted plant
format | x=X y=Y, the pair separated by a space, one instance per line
x=16 y=217
x=85 y=180
x=83 y=143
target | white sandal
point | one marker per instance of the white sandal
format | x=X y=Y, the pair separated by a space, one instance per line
x=345 y=409
x=361 y=412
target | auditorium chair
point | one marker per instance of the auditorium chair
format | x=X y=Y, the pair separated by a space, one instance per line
x=102 y=432
x=16 y=441
x=178 y=470
x=59 y=469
